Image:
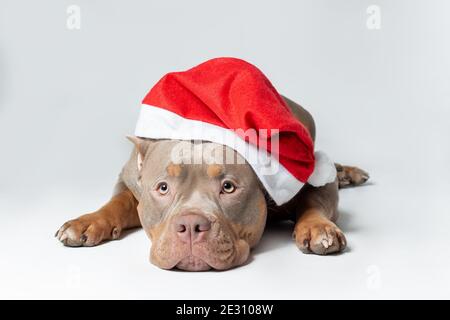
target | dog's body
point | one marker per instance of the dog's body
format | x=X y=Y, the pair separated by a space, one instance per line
x=202 y=216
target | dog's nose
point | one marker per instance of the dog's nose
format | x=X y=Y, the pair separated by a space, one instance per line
x=192 y=227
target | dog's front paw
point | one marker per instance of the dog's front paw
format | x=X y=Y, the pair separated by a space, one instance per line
x=322 y=237
x=88 y=230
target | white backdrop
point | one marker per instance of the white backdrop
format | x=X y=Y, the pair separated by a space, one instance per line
x=380 y=98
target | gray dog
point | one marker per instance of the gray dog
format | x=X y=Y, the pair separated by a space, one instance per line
x=209 y=215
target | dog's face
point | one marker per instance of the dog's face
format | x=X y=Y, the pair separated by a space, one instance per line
x=199 y=214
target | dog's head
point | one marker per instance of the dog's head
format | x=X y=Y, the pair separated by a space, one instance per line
x=201 y=204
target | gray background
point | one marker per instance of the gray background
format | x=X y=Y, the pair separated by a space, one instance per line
x=380 y=98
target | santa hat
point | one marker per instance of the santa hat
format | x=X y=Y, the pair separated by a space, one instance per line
x=229 y=101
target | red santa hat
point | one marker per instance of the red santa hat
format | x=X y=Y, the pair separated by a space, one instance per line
x=231 y=102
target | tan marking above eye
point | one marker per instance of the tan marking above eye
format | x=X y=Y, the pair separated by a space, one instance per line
x=214 y=170
x=174 y=170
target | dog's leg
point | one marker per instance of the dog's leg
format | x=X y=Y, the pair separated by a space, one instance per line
x=104 y=224
x=316 y=212
x=350 y=176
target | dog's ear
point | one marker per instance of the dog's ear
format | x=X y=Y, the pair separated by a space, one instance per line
x=141 y=145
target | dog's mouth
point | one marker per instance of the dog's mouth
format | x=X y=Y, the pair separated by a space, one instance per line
x=201 y=257
x=219 y=249
x=192 y=263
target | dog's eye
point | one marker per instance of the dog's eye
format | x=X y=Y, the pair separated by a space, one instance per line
x=163 y=188
x=228 y=187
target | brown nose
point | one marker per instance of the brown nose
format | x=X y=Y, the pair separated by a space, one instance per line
x=192 y=227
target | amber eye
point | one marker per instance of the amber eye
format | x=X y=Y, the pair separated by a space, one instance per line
x=163 y=188
x=228 y=187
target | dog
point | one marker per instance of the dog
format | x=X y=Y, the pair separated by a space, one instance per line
x=209 y=215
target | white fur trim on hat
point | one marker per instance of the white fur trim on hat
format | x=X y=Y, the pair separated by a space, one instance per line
x=324 y=170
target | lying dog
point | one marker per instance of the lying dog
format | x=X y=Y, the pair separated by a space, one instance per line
x=209 y=215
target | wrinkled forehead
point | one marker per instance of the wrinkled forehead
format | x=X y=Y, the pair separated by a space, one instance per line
x=215 y=159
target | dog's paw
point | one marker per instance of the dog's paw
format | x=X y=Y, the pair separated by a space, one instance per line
x=350 y=176
x=88 y=230
x=319 y=237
